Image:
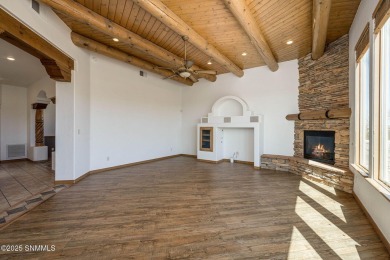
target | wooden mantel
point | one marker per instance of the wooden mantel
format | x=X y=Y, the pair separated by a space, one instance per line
x=321 y=114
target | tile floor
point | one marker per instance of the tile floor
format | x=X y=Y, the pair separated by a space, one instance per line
x=22 y=180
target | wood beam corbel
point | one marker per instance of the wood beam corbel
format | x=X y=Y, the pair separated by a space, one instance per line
x=160 y=11
x=56 y=71
x=108 y=51
x=321 y=11
x=84 y=15
x=242 y=13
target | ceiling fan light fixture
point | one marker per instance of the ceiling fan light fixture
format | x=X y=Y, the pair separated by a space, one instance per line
x=209 y=62
x=244 y=53
x=184 y=74
x=115 y=39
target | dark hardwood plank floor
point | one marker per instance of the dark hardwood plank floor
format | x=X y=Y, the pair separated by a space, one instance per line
x=180 y=208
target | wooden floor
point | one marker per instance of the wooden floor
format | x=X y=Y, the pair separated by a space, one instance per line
x=180 y=208
x=21 y=180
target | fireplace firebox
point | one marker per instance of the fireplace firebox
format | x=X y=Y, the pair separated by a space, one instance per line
x=319 y=146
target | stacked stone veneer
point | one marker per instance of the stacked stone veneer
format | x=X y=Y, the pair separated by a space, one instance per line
x=323 y=86
x=341 y=179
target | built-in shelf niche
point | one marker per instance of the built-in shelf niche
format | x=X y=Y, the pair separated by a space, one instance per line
x=228 y=112
x=206 y=139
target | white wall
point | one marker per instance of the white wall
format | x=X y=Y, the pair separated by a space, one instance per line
x=272 y=94
x=132 y=118
x=73 y=104
x=49 y=86
x=13 y=117
x=375 y=203
x=238 y=140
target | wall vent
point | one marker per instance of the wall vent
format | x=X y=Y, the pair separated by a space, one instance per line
x=205 y=120
x=254 y=119
x=35 y=6
x=16 y=151
x=227 y=119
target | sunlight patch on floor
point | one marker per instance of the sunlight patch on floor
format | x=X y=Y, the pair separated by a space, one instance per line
x=324 y=187
x=325 y=201
x=330 y=234
x=300 y=248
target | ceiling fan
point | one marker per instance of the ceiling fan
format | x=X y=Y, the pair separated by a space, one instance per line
x=185 y=71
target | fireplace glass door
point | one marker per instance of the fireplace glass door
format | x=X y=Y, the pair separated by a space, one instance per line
x=319 y=146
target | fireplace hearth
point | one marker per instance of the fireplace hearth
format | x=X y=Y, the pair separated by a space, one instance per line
x=320 y=146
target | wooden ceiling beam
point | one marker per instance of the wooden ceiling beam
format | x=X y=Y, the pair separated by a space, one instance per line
x=86 y=16
x=57 y=64
x=23 y=34
x=242 y=13
x=111 y=52
x=321 y=10
x=160 y=11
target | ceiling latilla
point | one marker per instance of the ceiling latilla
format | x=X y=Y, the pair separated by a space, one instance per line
x=108 y=51
x=175 y=23
x=84 y=15
x=240 y=10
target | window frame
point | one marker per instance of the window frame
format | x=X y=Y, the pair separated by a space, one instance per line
x=358 y=108
x=381 y=104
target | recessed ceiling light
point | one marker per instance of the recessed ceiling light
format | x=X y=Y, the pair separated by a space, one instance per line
x=115 y=39
x=289 y=42
x=10 y=58
x=244 y=54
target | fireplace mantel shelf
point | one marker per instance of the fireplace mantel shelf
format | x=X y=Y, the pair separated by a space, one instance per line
x=320 y=114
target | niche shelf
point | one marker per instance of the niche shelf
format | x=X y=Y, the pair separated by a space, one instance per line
x=206 y=139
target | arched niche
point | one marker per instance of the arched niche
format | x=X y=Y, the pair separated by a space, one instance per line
x=230 y=106
x=228 y=112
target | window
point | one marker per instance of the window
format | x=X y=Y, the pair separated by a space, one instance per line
x=363 y=87
x=384 y=38
x=373 y=97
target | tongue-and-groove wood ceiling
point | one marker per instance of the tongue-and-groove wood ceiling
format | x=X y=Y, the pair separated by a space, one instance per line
x=278 y=20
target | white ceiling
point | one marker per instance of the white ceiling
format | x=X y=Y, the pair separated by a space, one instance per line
x=25 y=70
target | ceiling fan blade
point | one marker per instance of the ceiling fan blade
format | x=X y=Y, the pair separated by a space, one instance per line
x=164 y=68
x=192 y=77
x=172 y=76
x=210 y=72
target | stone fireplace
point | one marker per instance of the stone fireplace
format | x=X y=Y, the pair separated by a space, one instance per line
x=323 y=118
